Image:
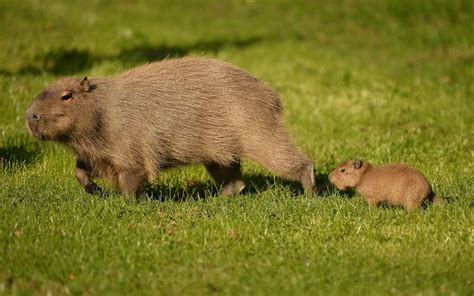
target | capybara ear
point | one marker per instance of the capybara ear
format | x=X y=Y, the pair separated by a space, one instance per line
x=357 y=164
x=85 y=84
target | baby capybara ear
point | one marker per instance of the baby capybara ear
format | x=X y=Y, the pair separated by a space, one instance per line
x=85 y=84
x=357 y=164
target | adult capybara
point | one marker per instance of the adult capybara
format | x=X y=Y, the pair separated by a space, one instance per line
x=175 y=112
x=396 y=184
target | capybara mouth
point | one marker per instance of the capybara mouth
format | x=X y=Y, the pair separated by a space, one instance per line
x=34 y=133
x=40 y=136
x=342 y=188
x=32 y=130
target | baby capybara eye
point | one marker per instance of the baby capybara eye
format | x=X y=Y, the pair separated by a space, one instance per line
x=66 y=97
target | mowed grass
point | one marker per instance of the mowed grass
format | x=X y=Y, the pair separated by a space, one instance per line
x=387 y=81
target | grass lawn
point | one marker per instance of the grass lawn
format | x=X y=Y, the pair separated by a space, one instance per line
x=387 y=81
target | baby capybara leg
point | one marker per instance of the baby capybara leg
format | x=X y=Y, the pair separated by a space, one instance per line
x=411 y=205
x=130 y=183
x=229 y=178
x=373 y=202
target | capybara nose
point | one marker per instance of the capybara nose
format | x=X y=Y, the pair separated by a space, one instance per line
x=32 y=116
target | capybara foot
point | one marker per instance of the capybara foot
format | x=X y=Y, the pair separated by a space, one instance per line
x=233 y=188
x=229 y=177
x=92 y=188
x=130 y=184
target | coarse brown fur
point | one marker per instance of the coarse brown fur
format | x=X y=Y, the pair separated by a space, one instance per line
x=396 y=184
x=175 y=112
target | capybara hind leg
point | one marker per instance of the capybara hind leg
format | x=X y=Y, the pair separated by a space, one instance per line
x=306 y=177
x=286 y=161
x=83 y=176
x=373 y=202
x=130 y=183
x=229 y=178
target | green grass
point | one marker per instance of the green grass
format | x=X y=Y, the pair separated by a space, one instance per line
x=388 y=81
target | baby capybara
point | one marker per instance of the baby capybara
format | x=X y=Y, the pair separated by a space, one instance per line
x=175 y=112
x=396 y=184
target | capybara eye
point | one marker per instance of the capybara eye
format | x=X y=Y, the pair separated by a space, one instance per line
x=343 y=170
x=66 y=97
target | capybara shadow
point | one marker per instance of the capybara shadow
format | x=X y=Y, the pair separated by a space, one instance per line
x=149 y=52
x=15 y=156
x=194 y=190
x=70 y=61
x=57 y=62
x=452 y=199
x=259 y=183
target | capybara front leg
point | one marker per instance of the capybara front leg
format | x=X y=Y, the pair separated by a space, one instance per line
x=229 y=178
x=83 y=174
x=130 y=183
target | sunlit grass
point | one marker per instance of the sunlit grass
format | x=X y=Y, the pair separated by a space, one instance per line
x=387 y=81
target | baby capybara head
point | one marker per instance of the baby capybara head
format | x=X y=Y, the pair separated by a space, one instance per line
x=59 y=109
x=347 y=174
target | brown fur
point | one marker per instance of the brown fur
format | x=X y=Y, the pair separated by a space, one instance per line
x=396 y=184
x=175 y=112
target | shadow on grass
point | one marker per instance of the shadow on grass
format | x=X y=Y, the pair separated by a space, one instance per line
x=70 y=61
x=195 y=190
x=255 y=184
x=452 y=199
x=178 y=193
x=16 y=156
x=146 y=53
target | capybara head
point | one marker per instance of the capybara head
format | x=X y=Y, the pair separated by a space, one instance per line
x=60 y=109
x=347 y=174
